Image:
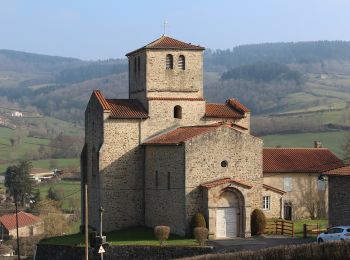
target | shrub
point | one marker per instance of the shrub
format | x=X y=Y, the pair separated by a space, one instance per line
x=198 y=220
x=200 y=234
x=257 y=222
x=162 y=233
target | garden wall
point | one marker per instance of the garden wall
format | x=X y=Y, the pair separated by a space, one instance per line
x=57 y=252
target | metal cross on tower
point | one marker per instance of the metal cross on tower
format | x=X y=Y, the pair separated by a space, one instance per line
x=165 y=24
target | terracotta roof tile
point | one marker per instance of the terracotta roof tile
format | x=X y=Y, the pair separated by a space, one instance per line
x=180 y=135
x=237 y=105
x=342 y=171
x=299 y=160
x=215 y=183
x=231 y=109
x=101 y=99
x=24 y=219
x=165 y=42
x=173 y=98
x=268 y=187
x=126 y=108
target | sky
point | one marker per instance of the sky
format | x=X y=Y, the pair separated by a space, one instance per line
x=92 y=29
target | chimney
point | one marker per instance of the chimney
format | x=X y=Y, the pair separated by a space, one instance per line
x=317 y=144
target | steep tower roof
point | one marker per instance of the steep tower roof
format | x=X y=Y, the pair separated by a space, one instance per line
x=165 y=42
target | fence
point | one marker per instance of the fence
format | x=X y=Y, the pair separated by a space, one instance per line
x=312 y=229
x=280 y=227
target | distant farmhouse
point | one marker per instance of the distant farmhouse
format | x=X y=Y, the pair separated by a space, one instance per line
x=16 y=114
x=28 y=225
x=165 y=154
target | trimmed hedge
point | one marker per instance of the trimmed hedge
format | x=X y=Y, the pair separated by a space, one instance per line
x=312 y=251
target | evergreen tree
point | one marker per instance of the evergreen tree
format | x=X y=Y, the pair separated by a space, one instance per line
x=17 y=180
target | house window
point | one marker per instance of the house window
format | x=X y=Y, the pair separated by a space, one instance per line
x=321 y=185
x=178 y=112
x=169 y=65
x=157 y=180
x=181 y=62
x=266 y=202
x=287 y=181
x=168 y=180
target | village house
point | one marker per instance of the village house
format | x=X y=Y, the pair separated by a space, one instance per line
x=339 y=196
x=297 y=172
x=28 y=225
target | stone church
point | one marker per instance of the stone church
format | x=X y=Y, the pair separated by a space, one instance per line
x=165 y=154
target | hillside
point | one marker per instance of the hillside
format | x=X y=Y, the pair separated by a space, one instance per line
x=290 y=87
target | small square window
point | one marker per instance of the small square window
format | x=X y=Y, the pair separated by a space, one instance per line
x=266 y=202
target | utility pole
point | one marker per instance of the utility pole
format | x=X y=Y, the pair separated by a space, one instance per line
x=18 y=253
x=86 y=224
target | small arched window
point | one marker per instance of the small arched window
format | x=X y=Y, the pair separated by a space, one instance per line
x=178 y=112
x=169 y=64
x=181 y=62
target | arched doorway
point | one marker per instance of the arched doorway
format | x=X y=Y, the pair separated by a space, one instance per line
x=229 y=214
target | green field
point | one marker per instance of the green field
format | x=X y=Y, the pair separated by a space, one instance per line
x=27 y=144
x=131 y=236
x=331 y=140
x=68 y=189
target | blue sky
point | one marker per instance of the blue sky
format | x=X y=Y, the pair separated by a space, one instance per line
x=91 y=29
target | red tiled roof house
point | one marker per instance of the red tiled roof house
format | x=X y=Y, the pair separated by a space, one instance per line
x=28 y=225
x=296 y=171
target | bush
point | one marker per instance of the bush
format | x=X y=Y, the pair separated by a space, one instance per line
x=198 y=220
x=257 y=222
x=200 y=234
x=162 y=233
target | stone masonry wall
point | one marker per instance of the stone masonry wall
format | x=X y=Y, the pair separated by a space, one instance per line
x=204 y=155
x=94 y=117
x=58 y=252
x=27 y=231
x=174 y=82
x=137 y=77
x=122 y=173
x=164 y=187
x=161 y=116
x=304 y=191
x=275 y=204
x=339 y=200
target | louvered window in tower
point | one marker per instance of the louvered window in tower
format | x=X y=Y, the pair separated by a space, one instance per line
x=181 y=62
x=169 y=62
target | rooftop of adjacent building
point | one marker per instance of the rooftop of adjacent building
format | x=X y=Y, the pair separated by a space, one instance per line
x=24 y=219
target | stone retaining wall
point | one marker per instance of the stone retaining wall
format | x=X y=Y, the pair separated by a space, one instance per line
x=57 y=252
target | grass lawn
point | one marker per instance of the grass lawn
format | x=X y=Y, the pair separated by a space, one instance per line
x=298 y=225
x=61 y=163
x=66 y=188
x=130 y=236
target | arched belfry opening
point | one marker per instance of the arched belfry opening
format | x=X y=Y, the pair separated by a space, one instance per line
x=169 y=63
x=178 y=112
x=181 y=63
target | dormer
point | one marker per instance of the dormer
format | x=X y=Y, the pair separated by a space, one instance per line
x=168 y=68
